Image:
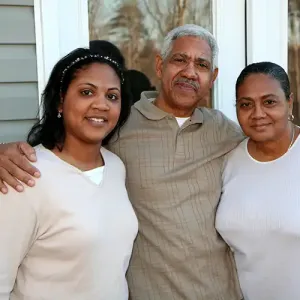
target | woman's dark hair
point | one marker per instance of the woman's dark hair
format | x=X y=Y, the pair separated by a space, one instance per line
x=109 y=49
x=49 y=130
x=139 y=83
x=267 y=68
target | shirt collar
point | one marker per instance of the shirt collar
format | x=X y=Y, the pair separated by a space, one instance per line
x=146 y=107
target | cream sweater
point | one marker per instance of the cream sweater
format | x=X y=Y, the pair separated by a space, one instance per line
x=67 y=238
x=258 y=217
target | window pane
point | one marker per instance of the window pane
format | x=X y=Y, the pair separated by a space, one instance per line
x=138 y=27
x=294 y=54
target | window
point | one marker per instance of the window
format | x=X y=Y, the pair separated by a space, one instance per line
x=294 y=54
x=138 y=27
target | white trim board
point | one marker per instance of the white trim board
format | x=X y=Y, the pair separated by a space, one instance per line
x=229 y=29
x=60 y=27
x=267 y=31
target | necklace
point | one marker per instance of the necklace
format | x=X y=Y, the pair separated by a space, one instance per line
x=293 y=136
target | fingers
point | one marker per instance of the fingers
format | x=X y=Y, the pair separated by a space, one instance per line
x=17 y=168
x=3 y=187
x=28 y=151
x=21 y=168
x=14 y=154
x=10 y=180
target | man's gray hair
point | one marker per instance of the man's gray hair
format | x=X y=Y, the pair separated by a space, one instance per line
x=190 y=30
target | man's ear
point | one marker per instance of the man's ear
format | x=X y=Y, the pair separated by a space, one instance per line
x=214 y=76
x=158 y=66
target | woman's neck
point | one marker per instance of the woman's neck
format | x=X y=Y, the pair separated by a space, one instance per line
x=80 y=155
x=271 y=150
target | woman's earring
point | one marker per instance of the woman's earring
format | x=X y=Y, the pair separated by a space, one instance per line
x=59 y=115
x=291 y=117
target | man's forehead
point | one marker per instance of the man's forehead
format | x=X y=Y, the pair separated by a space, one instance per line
x=193 y=47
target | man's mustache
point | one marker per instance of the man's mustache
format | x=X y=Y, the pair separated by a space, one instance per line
x=193 y=83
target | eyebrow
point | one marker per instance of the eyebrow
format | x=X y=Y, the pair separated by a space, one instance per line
x=95 y=87
x=245 y=98
x=269 y=95
x=263 y=97
x=114 y=88
x=87 y=83
x=202 y=60
x=185 y=55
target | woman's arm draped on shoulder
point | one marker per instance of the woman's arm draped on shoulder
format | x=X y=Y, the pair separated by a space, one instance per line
x=18 y=230
x=15 y=166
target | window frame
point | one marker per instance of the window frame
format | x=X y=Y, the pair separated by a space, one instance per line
x=63 y=25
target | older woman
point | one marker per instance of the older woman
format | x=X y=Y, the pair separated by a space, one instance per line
x=259 y=213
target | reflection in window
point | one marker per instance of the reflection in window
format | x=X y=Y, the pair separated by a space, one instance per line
x=138 y=27
x=294 y=54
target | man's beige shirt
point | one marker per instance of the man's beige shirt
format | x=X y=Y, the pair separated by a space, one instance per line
x=174 y=184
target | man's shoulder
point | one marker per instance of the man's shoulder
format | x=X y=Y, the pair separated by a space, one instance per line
x=219 y=120
x=216 y=115
x=134 y=115
x=135 y=120
x=224 y=130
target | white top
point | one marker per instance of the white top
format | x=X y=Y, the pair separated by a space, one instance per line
x=95 y=175
x=181 y=121
x=67 y=238
x=259 y=217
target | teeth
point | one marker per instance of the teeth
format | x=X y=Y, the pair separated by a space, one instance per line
x=96 y=120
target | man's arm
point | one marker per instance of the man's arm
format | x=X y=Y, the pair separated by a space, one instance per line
x=15 y=167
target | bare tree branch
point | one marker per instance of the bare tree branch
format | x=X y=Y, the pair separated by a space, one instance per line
x=157 y=9
x=154 y=17
x=181 y=12
x=93 y=6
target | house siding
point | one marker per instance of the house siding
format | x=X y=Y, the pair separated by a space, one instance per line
x=18 y=72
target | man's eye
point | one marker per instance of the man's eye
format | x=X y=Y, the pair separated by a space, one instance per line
x=179 y=60
x=202 y=65
x=86 y=93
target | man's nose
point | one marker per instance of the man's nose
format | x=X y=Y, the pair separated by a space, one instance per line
x=189 y=71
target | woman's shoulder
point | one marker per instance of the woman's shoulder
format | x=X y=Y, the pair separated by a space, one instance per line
x=111 y=157
x=113 y=163
x=33 y=197
x=45 y=158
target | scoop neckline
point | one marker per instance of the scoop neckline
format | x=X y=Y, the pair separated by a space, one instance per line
x=102 y=151
x=270 y=161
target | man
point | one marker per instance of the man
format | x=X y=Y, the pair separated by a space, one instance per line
x=173 y=152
